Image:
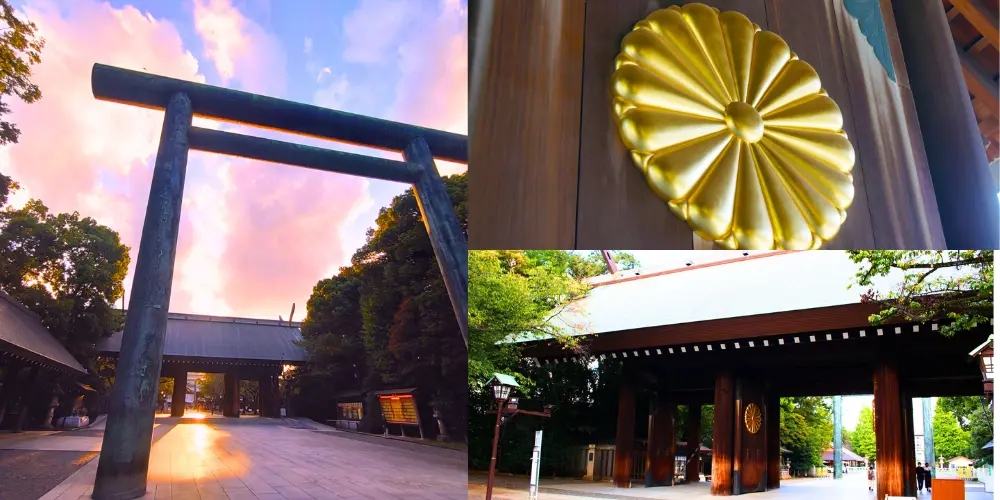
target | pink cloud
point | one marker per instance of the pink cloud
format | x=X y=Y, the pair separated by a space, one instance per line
x=69 y=138
x=240 y=49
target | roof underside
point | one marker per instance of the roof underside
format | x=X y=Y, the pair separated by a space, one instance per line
x=190 y=336
x=22 y=334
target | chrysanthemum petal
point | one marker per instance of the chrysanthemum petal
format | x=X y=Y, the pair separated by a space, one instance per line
x=673 y=172
x=652 y=129
x=797 y=80
x=751 y=223
x=814 y=112
x=831 y=148
x=641 y=87
x=705 y=26
x=791 y=231
x=770 y=54
x=710 y=206
x=819 y=211
x=739 y=33
x=671 y=26
x=835 y=185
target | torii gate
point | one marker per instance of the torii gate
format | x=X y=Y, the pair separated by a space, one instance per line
x=124 y=460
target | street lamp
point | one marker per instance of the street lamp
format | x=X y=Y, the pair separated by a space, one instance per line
x=503 y=386
x=984 y=353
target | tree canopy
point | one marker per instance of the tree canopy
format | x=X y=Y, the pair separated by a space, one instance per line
x=806 y=430
x=955 y=285
x=386 y=322
x=975 y=417
x=20 y=48
x=65 y=268
x=950 y=440
x=863 y=437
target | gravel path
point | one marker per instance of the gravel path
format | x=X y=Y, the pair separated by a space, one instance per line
x=28 y=474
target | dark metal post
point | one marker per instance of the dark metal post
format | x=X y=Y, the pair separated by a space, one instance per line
x=447 y=238
x=838 y=437
x=124 y=460
x=501 y=403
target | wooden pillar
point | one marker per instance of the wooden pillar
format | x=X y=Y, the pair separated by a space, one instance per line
x=955 y=153
x=124 y=460
x=693 y=437
x=23 y=399
x=231 y=407
x=909 y=447
x=447 y=238
x=625 y=437
x=8 y=390
x=661 y=443
x=178 y=402
x=722 y=436
x=772 y=426
x=889 y=432
x=264 y=389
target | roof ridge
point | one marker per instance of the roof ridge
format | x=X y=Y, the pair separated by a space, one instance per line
x=625 y=279
x=4 y=295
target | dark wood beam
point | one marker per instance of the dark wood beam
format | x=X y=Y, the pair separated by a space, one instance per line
x=625 y=436
x=153 y=91
x=978 y=17
x=300 y=155
x=722 y=435
x=980 y=85
x=660 y=444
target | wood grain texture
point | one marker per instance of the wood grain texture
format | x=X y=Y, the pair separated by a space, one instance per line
x=625 y=436
x=889 y=439
x=616 y=207
x=525 y=140
x=722 y=435
x=772 y=423
x=809 y=28
x=660 y=446
x=751 y=452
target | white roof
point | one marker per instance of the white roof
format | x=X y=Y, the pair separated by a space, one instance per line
x=759 y=284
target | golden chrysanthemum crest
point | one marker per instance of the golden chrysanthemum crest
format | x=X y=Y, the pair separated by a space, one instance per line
x=732 y=130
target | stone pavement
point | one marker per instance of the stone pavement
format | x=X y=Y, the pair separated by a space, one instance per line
x=853 y=487
x=281 y=459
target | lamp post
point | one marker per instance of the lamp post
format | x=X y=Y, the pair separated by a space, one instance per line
x=503 y=386
x=503 y=392
x=984 y=354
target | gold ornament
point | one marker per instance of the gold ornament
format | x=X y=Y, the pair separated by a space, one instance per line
x=732 y=130
x=752 y=418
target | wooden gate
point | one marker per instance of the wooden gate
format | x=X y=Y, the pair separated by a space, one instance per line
x=751 y=449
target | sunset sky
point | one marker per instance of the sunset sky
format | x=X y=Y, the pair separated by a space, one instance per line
x=255 y=237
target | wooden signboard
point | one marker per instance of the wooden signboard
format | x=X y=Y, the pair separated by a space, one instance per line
x=399 y=409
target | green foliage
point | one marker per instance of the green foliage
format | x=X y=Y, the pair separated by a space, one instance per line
x=950 y=440
x=927 y=292
x=386 y=321
x=975 y=417
x=863 y=437
x=20 y=48
x=846 y=438
x=67 y=269
x=806 y=431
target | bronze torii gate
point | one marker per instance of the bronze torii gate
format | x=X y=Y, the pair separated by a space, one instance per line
x=124 y=460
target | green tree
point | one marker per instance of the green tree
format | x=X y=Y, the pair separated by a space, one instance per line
x=846 y=437
x=806 y=430
x=386 y=322
x=950 y=440
x=20 y=48
x=975 y=417
x=67 y=269
x=863 y=437
x=953 y=285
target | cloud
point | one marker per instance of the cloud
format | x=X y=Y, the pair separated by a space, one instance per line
x=373 y=29
x=80 y=154
x=241 y=50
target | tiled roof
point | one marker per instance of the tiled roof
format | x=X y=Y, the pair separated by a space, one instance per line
x=22 y=334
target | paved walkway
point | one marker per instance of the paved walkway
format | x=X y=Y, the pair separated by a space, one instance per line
x=281 y=459
x=853 y=487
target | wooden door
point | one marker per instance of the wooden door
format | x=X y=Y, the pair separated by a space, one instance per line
x=751 y=425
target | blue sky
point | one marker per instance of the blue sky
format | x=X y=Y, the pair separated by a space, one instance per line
x=254 y=237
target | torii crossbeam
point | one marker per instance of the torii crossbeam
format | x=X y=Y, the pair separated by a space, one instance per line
x=124 y=460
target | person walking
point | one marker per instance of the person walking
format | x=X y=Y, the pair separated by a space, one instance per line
x=921 y=475
x=871 y=477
